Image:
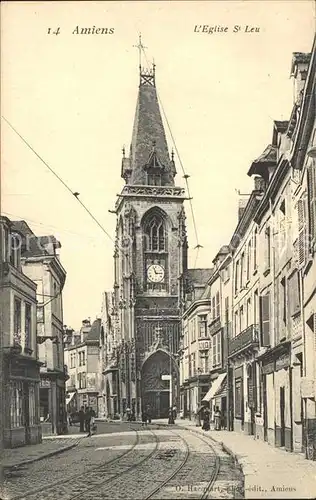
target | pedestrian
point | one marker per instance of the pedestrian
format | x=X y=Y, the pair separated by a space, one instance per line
x=87 y=417
x=92 y=422
x=206 y=419
x=81 y=416
x=69 y=417
x=128 y=414
x=174 y=412
x=144 y=418
x=171 y=416
x=148 y=411
x=217 y=418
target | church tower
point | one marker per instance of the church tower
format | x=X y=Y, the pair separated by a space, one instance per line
x=150 y=261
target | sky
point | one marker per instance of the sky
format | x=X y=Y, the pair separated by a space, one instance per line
x=73 y=97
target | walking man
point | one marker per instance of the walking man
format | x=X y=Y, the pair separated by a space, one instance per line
x=88 y=417
x=81 y=419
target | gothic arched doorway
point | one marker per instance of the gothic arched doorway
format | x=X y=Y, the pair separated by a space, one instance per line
x=155 y=389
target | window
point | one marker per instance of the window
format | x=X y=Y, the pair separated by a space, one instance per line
x=255 y=307
x=155 y=235
x=267 y=256
x=236 y=276
x=284 y=300
x=226 y=310
x=193 y=364
x=213 y=308
x=17 y=320
x=202 y=325
x=255 y=237
x=154 y=179
x=238 y=398
x=302 y=219
x=204 y=362
x=265 y=320
x=236 y=325
x=294 y=295
x=15 y=250
x=242 y=270
x=16 y=404
x=241 y=318
x=282 y=225
x=217 y=349
x=248 y=260
x=217 y=305
x=28 y=324
x=83 y=381
x=32 y=404
x=4 y=243
x=248 y=312
x=311 y=188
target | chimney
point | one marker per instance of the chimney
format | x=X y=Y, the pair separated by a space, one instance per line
x=85 y=329
x=299 y=69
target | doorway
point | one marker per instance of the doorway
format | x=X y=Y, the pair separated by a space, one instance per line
x=282 y=415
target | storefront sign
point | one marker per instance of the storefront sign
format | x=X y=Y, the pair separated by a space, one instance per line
x=283 y=361
x=204 y=345
x=267 y=368
x=45 y=382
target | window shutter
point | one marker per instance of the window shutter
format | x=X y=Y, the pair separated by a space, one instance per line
x=294 y=293
x=301 y=212
x=265 y=320
x=311 y=185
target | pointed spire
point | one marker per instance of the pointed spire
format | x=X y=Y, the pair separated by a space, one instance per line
x=148 y=137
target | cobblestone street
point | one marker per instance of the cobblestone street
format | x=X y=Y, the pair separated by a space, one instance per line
x=129 y=462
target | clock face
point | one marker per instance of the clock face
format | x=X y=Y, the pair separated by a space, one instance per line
x=155 y=273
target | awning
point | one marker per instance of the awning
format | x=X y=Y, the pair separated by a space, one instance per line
x=69 y=397
x=215 y=387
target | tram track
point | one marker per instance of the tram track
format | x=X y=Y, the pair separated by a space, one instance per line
x=74 y=477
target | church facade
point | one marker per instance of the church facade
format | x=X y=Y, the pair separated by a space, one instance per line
x=150 y=263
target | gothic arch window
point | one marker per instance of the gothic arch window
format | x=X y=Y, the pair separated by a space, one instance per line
x=155 y=237
x=154 y=226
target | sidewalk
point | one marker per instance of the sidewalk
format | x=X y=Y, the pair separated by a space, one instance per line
x=51 y=445
x=269 y=472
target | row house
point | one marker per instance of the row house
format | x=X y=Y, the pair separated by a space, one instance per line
x=217 y=329
x=195 y=343
x=82 y=360
x=272 y=349
x=20 y=367
x=41 y=263
x=303 y=294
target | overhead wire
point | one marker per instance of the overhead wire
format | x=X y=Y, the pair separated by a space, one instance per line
x=185 y=175
x=75 y=194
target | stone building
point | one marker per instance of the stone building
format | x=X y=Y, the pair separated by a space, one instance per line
x=20 y=364
x=219 y=329
x=194 y=347
x=41 y=263
x=302 y=289
x=149 y=263
x=82 y=359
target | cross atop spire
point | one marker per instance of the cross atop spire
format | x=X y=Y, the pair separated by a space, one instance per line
x=140 y=47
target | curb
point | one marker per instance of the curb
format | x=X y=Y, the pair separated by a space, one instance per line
x=36 y=459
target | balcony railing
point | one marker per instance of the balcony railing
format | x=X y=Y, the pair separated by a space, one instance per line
x=246 y=339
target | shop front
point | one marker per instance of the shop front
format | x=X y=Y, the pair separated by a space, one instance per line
x=277 y=396
x=21 y=412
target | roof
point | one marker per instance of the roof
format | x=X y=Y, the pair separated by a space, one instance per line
x=95 y=331
x=267 y=159
x=299 y=58
x=34 y=245
x=199 y=276
x=148 y=136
